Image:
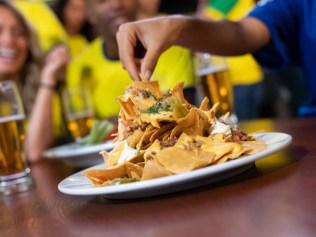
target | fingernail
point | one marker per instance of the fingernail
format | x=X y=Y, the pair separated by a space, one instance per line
x=140 y=77
x=147 y=75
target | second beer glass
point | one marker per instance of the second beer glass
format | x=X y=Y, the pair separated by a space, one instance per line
x=78 y=110
x=215 y=81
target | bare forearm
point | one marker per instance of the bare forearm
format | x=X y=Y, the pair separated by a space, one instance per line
x=158 y=34
x=223 y=37
x=40 y=130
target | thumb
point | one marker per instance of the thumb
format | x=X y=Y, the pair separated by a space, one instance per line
x=149 y=63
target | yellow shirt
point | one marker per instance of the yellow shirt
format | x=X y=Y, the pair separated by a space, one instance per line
x=76 y=44
x=107 y=80
x=244 y=70
x=43 y=20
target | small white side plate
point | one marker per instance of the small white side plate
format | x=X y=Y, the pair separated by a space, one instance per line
x=78 y=184
x=78 y=155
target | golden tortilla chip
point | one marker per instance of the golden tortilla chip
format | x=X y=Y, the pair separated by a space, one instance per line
x=237 y=151
x=135 y=138
x=152 y=151
x=204 y=104
x=253 y=146
x=178 y=160
x=219 y=149
x=184 y=124
x=111 y=158
x=155 y=118
x=134 y=171
x=146 y=137
x=152 y=86
x=128 y=109
x=177 y=92
x=100 y=176
x=153 y=170
x=159 y=132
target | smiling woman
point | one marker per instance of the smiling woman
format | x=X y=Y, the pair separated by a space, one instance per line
x=13 y=42
x=20 y=58
x=22 y=61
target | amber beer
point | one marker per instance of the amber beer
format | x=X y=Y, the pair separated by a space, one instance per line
x=79 y=125
x=217 y=87
x=12 y=159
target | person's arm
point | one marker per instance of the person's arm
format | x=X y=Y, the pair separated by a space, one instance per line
x=158 y=34
x=40 y=131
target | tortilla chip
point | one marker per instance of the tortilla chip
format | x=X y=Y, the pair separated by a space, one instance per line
x=184 y=124
x=152 y=151
x=111 y=158
x=159 y=132
x=219 y=149
x=152 y=86
x=128 y=109
x=204 y=104
x=155 y=118
x=253 y=146
x=100 y=176
x=177 y=92
x=153 y=170
x=237 y=151
x=135 y=138
x=145 y=137
x=134 y=171
x=178 y=160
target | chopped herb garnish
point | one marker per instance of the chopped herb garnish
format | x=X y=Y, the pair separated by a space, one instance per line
x=158 y=107
x=147 y=93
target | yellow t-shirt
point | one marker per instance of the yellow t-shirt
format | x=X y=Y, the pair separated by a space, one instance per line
x=76 y=44
x=107 y=80
x=244 y=70
x=43 y=20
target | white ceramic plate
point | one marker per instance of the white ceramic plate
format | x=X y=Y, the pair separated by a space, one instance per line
x=78 y=184
x=78 y=155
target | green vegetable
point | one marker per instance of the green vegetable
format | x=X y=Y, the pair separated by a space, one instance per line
x=118 y=181
x=99 y=131
x=147 y=93
x=158 y=107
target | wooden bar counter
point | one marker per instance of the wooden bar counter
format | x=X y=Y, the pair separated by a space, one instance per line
x=276 y=197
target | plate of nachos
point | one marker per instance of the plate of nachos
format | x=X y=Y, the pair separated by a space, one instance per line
x=164 y=144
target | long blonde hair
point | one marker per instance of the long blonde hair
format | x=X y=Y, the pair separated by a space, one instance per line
x=29 y=75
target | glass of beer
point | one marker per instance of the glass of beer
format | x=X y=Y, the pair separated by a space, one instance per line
x=14 y=172
x=78 y=110
x=215 y=82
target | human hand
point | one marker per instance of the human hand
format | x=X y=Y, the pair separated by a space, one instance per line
x=55 y=63
x=154 y=35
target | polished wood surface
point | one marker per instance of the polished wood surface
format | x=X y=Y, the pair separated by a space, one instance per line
x=277 y=197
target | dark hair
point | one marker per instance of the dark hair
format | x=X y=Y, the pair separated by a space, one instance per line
x=86 y=29
x=178 y=6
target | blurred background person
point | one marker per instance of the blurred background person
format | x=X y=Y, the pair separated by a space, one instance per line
x=148 y=9
x=73 y=16
x=99 y=69
x=152 y=8
x=245 y=73
x=187 y=7
x=21 y=60
x=274 y=31
x=43 y=20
